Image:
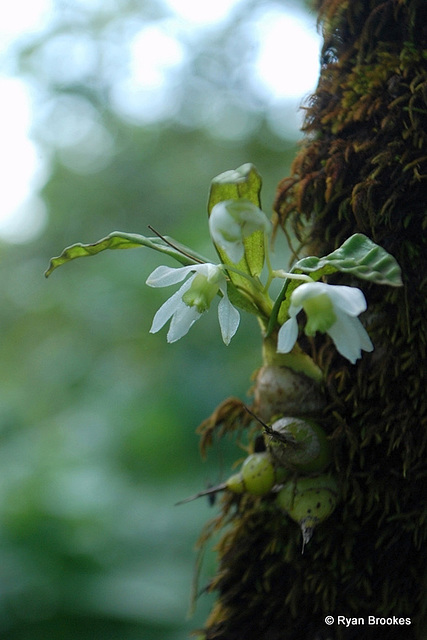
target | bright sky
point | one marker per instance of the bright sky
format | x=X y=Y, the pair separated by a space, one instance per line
x=280 y=35
x=202 y=13
x=22 y=213
x=287 y=37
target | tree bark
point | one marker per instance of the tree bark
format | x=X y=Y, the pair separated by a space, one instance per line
x=362 y=168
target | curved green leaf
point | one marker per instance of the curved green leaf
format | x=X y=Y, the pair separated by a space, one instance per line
x=241 y=183
x=121 y=240
x=359 y=256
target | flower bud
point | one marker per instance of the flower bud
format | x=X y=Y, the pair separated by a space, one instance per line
x=233 y=220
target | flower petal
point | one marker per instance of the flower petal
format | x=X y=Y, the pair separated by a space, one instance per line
x=294 y=309
x=169 y=307
x=182 y=320
x=212 y=272
x=234 y=250
x=225 y=231
x=365 y=340
x=308 y=290
x=349 y=299
x=229 y=319
x=288 y=334
x=165 y=312
x=165 y=276
x=349 y=336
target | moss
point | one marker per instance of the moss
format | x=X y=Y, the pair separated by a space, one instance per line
x=362 y=168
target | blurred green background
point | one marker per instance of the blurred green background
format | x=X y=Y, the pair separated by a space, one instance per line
x=97 y=416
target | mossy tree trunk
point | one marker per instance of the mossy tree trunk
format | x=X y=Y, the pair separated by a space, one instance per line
x=363 y=168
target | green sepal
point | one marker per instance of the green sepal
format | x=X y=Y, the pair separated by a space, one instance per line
x=243 y=183
x=121 y=240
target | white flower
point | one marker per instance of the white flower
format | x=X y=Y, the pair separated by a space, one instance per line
x=192 y=299
x=233 y=220
x=330 y=309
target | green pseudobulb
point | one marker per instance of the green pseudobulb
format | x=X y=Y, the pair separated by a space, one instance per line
x=258 y=475
x=299 y=444
x=309 y=501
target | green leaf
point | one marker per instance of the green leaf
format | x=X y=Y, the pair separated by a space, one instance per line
x=360 y=257
x=121 y=240
x=243 y=183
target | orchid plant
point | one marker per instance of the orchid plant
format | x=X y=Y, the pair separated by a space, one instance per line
x=242 y=278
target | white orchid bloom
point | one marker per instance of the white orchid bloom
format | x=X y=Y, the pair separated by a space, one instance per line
x=233 y=220
x=331 y=309
x=193 y=299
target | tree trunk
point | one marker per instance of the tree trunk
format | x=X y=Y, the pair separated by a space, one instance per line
x=363 y=168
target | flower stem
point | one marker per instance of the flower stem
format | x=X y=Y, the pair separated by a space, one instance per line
x=280 y=273
x=255 y=292
x=296 y=360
